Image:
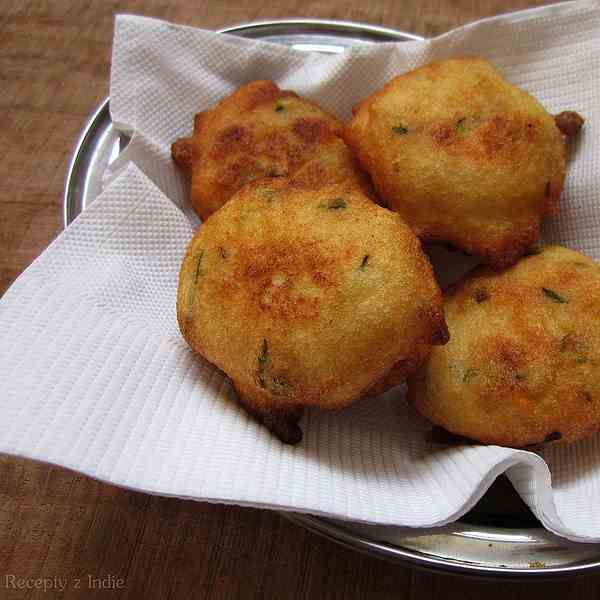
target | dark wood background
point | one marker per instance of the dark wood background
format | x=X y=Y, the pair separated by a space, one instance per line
x=67 y=528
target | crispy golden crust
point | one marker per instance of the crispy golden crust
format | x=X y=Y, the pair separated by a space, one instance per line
x=261 y=131
x=181 y=151
x=569 y=123
x=464 y=156
x=334 y=163
x=307 y=298
x=521 y=367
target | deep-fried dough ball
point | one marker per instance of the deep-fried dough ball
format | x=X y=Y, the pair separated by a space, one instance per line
x=307 y=298
x=522 y=364
x=261 y=131
x=464 y=156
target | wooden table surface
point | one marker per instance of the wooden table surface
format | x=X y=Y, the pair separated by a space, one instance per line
x=97 y=540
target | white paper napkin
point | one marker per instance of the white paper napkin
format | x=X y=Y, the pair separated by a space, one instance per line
x=95 y=376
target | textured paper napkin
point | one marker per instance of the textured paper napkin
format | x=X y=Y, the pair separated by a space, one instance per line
x=95 y=376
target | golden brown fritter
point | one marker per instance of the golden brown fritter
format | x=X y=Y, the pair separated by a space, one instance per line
x=463 y=155
x=307 y=297
x=261 y=131
x=522 y=364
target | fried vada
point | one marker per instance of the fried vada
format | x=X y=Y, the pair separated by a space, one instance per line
x=261 y=131
x=307 y=297
x=464 y=156
x=522 y=364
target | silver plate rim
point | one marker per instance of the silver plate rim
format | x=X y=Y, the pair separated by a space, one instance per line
x=88 y=132
x=325 y=25
x=329 y=528
x=429 y=562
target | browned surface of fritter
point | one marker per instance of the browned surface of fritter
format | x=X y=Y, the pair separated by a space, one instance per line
x=341 y=300
x=261 y=131
x=464 y=156
x=522 y=363
x=569 y=123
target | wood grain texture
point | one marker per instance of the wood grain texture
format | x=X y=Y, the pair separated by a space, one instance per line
x=76 y=532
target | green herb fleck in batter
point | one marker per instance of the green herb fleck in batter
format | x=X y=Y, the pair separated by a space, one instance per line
x=198 y=270
x=336 y=204
x=552 y=295
x=263 y=357
x=469 y=374
x=279 y=385
x=268 y=194
x=400 y=129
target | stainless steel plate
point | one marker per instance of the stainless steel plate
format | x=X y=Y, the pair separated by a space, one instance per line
x=499 y=537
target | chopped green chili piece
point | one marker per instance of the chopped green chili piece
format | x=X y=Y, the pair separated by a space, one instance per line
x=400 y=129
x=364 y=262
x=469 y=374
x=198 y=270
x=554 y=296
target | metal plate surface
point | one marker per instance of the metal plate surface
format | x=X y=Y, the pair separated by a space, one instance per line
x=499 y=537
